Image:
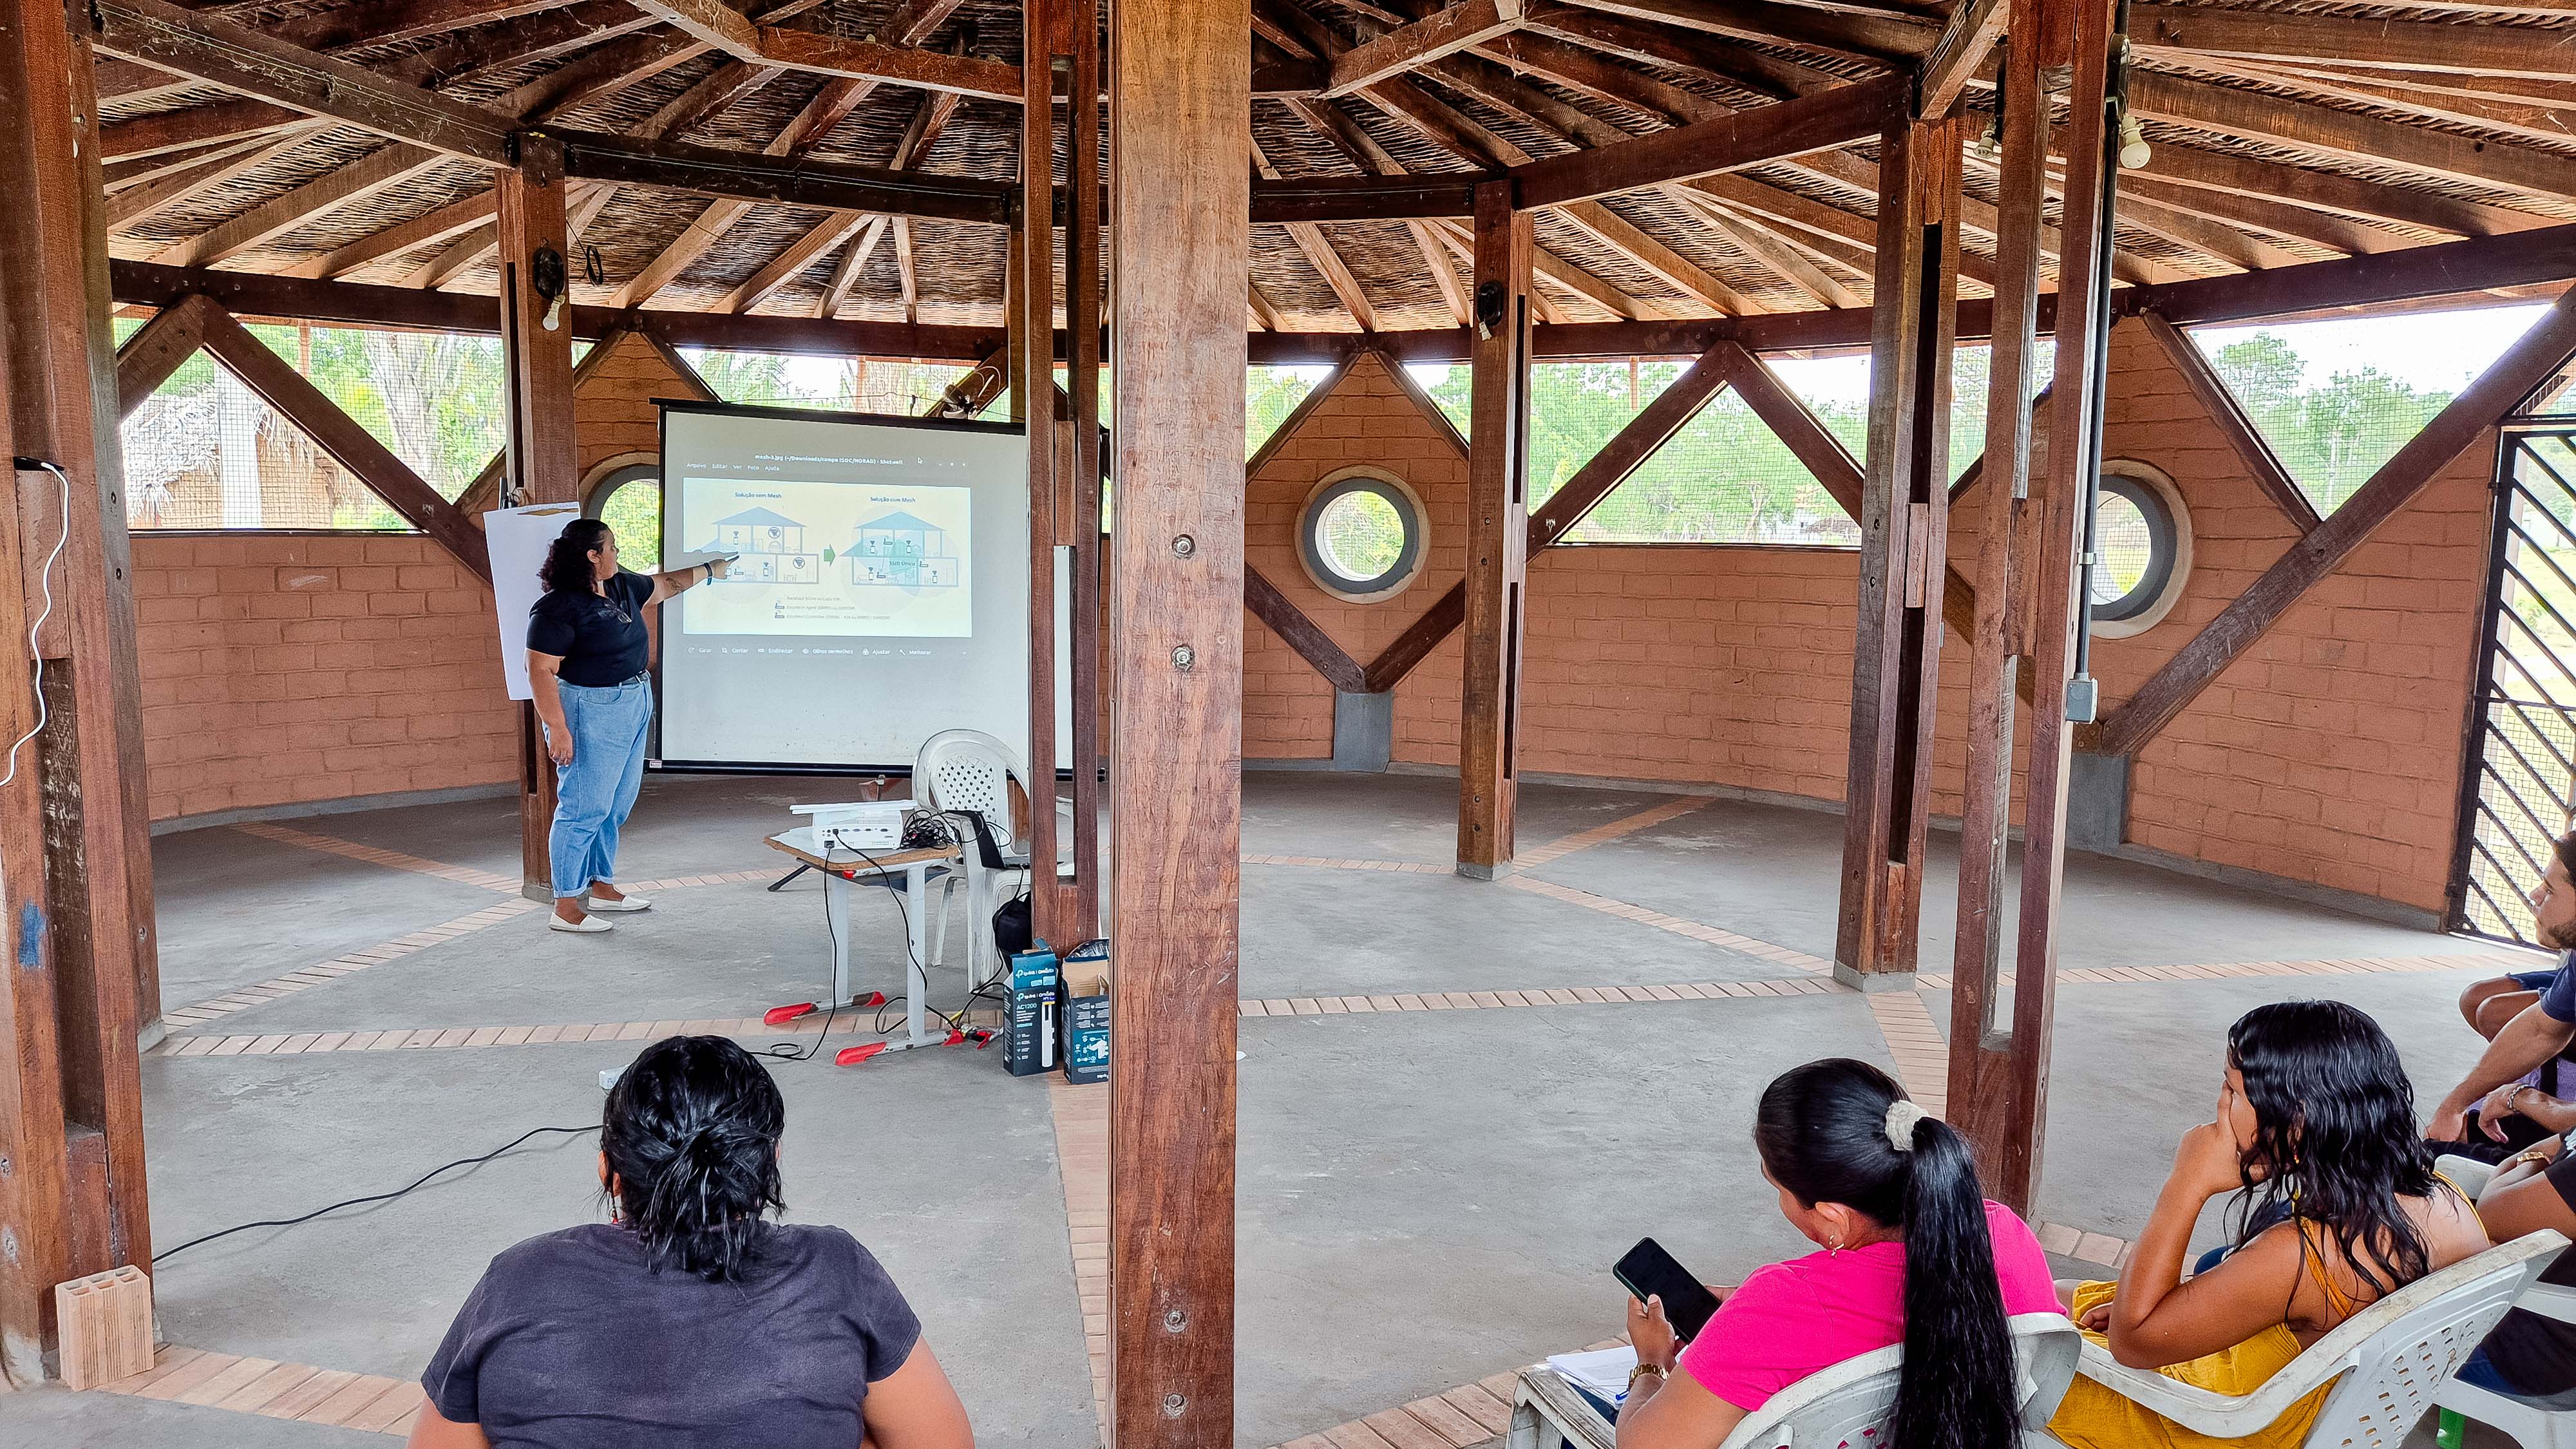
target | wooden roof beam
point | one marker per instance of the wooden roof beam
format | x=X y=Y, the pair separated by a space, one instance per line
x=442 y=224
x=167 y=131
x=928 y=121
x=846 y=271
x=139 y=203
x=1966 y=41
x=274 y=218
x=2344 y=136
x=2473 y=49
x=1440 y=33
x=1882 y=36
x=241 y=58
x=2331 y=191
x=729 y=30
x=713 y=92
x=1823 y=121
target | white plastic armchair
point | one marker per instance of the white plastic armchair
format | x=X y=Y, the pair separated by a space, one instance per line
x=2387 y=1362
x=969 y=771
x=2548 y=1423
x=1847 y=1404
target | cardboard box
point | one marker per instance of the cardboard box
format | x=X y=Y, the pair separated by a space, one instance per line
x=1085 y=1048
x=1029 y=1030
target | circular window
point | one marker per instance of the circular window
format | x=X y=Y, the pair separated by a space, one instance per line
x=628 y=498
x=1361 y=535
x=2141 y=550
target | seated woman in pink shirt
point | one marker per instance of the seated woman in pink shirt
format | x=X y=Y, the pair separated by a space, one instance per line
x=1913 y=1254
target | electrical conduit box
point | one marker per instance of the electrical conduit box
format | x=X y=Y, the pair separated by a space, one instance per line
x=870 y=826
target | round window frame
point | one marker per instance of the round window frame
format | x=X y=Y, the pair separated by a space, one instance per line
x=610 y=474
x=2168 y=520
x=1399 y=494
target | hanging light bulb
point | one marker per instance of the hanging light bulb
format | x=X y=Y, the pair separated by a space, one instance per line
x=2135 y=153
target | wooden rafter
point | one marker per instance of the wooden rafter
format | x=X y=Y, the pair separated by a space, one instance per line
x=343 y=186
x=1318 y=251
x=1965 y=42
x=141 y=203
x=713 y=92
x=2334 y=192
x=429 y=228
x=928 y=121
x=1878 y=35
x=2346 y=136
x=1453 y=28
x=727 y=29
x=2504 y=50
x=1362 y=150
x=158 y=349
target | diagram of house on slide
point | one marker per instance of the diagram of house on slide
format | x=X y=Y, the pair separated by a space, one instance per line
x=772 y=549
x=899 y=549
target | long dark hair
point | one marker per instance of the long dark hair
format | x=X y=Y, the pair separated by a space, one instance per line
x=2335 y=1137
x=691 y=1133
x=1822 y=1133
x=567 y=569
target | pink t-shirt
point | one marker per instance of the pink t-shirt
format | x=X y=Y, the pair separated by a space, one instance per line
x=1791 y=1319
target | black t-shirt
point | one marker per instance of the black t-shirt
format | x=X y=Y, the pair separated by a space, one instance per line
x=571 y=1342
x=2536 y=1354
x=600 y=638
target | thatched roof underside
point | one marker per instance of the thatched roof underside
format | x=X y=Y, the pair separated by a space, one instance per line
x=2300 y=153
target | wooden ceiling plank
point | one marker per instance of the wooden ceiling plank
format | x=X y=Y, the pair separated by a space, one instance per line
x=2511 y=50
x=1407 y=47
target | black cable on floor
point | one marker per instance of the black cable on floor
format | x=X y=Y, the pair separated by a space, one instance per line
x=167 y=1254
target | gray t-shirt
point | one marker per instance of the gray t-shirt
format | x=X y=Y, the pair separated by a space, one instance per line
x=571 y=1342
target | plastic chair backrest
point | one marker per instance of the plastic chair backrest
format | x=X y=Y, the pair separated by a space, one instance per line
x=971 y=770
x=2413 y=1339
x=2384 y=1362
x=1847 y=1406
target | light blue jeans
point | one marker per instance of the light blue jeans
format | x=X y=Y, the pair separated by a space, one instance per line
x=594 y=793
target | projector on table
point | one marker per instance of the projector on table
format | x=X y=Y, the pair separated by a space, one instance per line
x=871 y=826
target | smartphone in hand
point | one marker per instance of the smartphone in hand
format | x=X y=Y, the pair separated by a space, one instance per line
x=1649 y=1272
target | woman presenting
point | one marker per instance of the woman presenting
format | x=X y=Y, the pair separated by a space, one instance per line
x=588 y=665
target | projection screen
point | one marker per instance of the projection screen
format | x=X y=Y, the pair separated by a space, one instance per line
x=881 y=593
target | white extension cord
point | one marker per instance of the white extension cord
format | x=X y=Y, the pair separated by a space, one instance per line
x=44 y=581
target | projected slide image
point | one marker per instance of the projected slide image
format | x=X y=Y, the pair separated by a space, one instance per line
x=837 y=560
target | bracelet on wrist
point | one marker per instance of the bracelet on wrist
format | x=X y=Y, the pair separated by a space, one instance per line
x=1641 y=1371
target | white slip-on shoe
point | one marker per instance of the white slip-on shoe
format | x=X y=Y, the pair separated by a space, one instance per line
x=623 y=903
x=586 y=926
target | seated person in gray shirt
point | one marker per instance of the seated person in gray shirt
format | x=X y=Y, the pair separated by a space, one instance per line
x=689 y=1319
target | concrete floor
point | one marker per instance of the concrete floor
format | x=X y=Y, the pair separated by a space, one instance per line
x=1425 y=1198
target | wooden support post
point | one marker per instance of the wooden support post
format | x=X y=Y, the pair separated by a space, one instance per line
x=544 y=461
x=2001 y=1085
x=1033 y=393
x=1082 y=321
x=1497 y=535
x=1180 y=108
x=75 y=856
x=1980 y=1086
x=1904 y=518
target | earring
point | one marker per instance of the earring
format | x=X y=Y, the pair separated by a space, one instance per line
x=1833 y=1248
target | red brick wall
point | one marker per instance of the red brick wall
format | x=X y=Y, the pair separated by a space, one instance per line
x=282 y=669
x=2329 y=753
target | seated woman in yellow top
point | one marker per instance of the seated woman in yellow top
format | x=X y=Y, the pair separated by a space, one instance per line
x=2316 y=1127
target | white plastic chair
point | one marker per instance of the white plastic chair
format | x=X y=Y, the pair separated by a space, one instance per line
x=2531 y=1423
x=1847 y=1404
x=2388 y=1363
x=971 y=772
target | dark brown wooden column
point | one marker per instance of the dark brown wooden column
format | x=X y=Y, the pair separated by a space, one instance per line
x=1034 y=396
x=1999 y=1066
x=1497 y=529
x=544 y=463
x=75 y=850
x=1082 y=319
x=1980 y=1088
x=1180 y=116
x=1904 y=548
